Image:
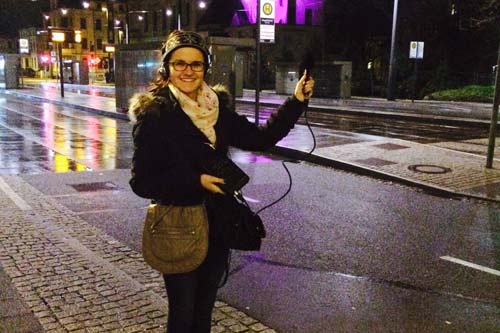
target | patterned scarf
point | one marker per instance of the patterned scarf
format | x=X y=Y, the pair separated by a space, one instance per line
x=203 y=112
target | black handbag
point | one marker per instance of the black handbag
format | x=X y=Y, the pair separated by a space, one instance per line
x=234 y=224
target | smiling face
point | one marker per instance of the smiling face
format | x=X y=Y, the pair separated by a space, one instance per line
x=187 y=81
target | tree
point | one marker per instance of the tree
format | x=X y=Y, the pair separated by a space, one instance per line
x=460 y=40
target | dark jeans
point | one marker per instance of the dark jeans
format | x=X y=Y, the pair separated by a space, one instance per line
x=191 y=296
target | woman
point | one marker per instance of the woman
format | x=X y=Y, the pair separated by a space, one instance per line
x=179 y=125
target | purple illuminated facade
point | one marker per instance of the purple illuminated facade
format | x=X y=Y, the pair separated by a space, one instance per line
x=300 y=12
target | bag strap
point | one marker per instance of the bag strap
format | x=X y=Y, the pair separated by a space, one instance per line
x=225 y=277
x=155 y=223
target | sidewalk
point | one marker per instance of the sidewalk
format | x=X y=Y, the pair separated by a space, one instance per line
x=431 y=166
x=59 y=273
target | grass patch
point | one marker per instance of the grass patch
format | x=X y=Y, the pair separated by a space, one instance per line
x=482 y=94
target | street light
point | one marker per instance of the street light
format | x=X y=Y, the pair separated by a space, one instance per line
x=59 y=37
x=179 y=15
x=392 y=60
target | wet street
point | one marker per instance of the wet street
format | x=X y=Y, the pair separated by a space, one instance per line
x=37 y=137
x=343 y=253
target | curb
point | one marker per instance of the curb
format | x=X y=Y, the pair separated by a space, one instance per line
x=361 y=170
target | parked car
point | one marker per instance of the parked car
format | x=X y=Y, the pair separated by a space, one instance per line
x=29 y=72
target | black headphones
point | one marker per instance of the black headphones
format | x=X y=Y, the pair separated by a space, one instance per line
x=178 y=39
x=164 y=72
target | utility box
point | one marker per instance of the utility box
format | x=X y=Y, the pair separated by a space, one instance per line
x=332 y=79
x=229 y=61
x=9 y=70
x=81 y=72
x=136 y=66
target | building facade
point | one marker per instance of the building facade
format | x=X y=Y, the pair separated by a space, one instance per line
x=97 y=26
x=7 y=44
x=92 y=32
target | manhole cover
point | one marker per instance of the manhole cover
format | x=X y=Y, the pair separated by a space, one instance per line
x=428 y=168
x=92 y=187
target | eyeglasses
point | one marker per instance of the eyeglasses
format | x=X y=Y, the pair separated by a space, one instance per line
x=196 y=66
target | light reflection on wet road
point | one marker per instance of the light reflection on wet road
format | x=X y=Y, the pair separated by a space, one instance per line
x=40 y=137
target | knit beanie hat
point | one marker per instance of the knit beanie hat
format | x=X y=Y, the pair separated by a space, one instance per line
x=178 y=38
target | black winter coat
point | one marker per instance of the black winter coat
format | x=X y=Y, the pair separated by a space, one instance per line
x=171 y=153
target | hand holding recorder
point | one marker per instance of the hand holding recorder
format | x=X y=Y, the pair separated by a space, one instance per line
x=304 y=88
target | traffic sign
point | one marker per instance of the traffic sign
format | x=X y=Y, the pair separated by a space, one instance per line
x=267 y=13
x=416 y=50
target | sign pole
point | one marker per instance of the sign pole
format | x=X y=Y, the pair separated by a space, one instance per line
x=265 y=34
x=22 y=74
x=392 y=59
x=257 y=65
x=61 y=70
x=494 y=116
x=415 y=81
x=416 y=52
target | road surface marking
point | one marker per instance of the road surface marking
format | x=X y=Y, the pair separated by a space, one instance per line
x=472 y=265
x=13 y=195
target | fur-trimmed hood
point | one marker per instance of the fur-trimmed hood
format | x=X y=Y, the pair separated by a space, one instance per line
x=140 y=102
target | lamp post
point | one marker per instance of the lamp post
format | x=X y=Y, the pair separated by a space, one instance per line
x=58 y=37
x=87 y=5
x=257 y=64
x=392 y=60
x=179 y=4
x=494 y=117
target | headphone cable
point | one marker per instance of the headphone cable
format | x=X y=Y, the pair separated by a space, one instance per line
x=290 y=180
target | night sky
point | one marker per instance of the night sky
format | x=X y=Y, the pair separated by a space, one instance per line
x=17 y=14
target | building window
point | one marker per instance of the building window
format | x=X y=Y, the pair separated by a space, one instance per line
x=99 y=44
x=98 y=24
x=163 y=22
x=64 y=22
x=155 y=21
x=187 y=17
x=146 y=22
x=83 y=23
x=85 y=43
x=309 y=16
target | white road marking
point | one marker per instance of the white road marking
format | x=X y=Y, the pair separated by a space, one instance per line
x=13 y=195
x=471 y=265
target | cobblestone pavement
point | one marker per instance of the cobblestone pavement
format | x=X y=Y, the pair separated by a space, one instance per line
x=75 y=278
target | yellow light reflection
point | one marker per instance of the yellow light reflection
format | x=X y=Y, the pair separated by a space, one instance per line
x=64 y=164
x=61 y=163
x=109 y=138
